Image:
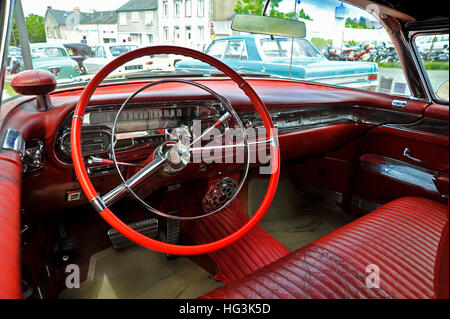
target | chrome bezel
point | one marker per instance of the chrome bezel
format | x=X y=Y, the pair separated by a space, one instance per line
x=14 y=141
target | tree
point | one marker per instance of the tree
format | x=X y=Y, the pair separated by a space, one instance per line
x=35 y=28
x=257 y=7
x=361 y=24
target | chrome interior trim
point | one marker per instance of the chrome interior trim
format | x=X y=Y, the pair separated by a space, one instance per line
x=426 y=125
x=364 y=204
x=301 y=118
x=14 y=141
x=329 y=194
x=98 y=204
x=401 y=171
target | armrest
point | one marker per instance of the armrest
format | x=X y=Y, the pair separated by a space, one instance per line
x=442 y=184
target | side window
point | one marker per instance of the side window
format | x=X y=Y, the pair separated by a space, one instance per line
x=433 y=50
x=217 y=49
x=236 y=50
x=271 y=48
x=100 y=52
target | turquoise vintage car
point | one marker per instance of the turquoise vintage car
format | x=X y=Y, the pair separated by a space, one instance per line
x=271 y=55
x=54 y=58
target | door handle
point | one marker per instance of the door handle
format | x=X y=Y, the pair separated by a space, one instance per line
x=407 y=153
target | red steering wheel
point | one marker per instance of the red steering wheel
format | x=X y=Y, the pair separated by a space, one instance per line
x=98 y=202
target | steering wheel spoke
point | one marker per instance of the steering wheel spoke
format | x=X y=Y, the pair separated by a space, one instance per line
x=135 y=181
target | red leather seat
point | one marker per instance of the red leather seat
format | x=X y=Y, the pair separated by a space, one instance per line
x=406 y=239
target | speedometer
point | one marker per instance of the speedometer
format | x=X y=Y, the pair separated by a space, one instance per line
x=140 y=128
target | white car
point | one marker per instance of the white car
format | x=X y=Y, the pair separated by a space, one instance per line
x=433 y=43
x=103 y=54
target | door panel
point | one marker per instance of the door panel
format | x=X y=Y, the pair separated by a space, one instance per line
x=400 y=161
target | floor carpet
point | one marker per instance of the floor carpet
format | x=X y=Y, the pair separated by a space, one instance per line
x=137 y=272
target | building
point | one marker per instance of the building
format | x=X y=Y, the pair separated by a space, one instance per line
x=188 y=23
x=194 y=23
x=221 y=15
x=138 y=22
x=71 y=26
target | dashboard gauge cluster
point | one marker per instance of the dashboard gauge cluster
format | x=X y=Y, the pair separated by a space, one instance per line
x=140 y=127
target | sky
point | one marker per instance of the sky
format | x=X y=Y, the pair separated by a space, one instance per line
x=317 y=9
x=322 y=9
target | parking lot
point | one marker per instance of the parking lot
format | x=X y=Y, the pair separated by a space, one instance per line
x=437 y=77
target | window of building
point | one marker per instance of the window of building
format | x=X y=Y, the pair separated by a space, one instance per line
x=166 y=33
x=188 y=8
x=123 y=18
x=148 y=17
x=135 y=16
x=177 y=8
x=201 y=8
x=201 y=33
x=166 y=9
x=150 y=38
x=188 y=34
x=177 y=33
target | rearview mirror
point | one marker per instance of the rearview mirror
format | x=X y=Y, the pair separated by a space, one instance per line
x=268 y=25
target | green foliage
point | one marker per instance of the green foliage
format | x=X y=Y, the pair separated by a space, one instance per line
x=362 y=23
x=257 y=7
x=35 y=27
x=353 y=43
x=303 y=15
x=436 y=65
x=319 y=42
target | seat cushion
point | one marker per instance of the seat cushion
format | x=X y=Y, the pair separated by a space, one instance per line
x=405 y=240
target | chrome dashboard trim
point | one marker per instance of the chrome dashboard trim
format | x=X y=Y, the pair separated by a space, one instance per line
x=311 y=117
x=14 y=141
x=426 y=125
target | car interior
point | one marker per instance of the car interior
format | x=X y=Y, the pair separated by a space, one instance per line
x=336 y=186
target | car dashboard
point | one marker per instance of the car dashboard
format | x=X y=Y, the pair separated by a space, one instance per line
x=310 y=118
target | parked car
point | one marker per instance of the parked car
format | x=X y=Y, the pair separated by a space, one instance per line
x=54 y=58
x=79 y=52
x=262 y=54
x=103 y=54
x=14 y=63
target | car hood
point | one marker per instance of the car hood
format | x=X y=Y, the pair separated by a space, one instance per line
x=311 y=68
x=326 y=68
x=51 y=62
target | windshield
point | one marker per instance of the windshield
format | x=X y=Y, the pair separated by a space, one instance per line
x=284 y=47
x=344 y=45
x=119 y=50
x=48 y=52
